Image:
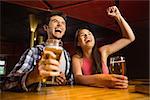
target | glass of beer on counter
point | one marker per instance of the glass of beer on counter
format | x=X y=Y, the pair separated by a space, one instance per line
x=117 y=65
x=55 y=46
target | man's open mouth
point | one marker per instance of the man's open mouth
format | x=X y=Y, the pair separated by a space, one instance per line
x=58 y=30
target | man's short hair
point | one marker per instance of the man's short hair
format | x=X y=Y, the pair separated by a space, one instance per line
x=46 y=16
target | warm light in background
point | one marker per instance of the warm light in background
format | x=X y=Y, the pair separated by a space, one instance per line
x=33 y=22
x=33 y=25
x=32 y=30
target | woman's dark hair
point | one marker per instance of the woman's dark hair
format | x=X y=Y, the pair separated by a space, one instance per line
x=95 y=52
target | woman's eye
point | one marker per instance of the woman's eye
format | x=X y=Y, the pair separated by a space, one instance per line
x=81 y=35
x=89 y=33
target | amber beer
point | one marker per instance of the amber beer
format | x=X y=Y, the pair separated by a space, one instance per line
x=55 y=46
x=117 y=65
x=55 y=49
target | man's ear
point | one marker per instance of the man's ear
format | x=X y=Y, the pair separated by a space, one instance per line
x=45 y=27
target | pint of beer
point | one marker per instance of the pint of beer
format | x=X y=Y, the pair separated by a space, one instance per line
x=55 y=46
x=117 y=65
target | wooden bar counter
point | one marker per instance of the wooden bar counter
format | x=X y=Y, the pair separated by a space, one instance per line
x=76 y=93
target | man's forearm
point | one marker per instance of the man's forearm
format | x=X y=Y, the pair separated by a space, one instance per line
x=13 y=82
x=32 y=78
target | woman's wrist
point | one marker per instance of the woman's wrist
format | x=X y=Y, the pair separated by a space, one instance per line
x=118 y=17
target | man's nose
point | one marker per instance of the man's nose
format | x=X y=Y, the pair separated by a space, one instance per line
x=59 y=24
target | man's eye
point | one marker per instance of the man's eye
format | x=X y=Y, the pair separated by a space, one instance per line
x=54 y=20
x=63 y=23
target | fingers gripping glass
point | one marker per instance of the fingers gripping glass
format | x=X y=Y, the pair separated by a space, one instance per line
x=55 y=46
x=117 y=65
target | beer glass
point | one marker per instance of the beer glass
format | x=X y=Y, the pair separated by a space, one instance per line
x=117 y=65
x=55 y=46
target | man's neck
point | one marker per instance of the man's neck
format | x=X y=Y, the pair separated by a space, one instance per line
x=54 y=38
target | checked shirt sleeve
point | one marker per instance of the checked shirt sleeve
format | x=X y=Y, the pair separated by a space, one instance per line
x=16 y=79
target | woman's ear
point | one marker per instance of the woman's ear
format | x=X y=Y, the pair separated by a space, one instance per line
x=45 y=27
x=78 y=44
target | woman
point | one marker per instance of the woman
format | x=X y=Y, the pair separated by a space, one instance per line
x=88 y=56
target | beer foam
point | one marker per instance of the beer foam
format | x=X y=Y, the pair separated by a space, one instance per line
x=55 y=47
x=117 y=61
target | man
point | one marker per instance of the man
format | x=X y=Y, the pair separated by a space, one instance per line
x=31 y=69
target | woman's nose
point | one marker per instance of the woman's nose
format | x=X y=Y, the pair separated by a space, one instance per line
x=86 y=35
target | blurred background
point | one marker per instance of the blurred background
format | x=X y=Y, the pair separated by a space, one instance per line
x=19 y=28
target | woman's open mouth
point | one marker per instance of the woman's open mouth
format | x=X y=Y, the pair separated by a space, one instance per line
x=87 y=41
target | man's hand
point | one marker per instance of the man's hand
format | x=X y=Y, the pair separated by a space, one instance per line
x=61 y=79
x=44 y=68
x=48 y=66
x=113 y=81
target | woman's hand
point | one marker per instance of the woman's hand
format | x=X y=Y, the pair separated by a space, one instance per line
x=113 y=81
x=113 y=11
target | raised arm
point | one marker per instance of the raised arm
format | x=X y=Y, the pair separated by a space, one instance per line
x=127 y=33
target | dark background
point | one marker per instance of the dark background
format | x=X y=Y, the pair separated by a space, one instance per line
x=15 y=38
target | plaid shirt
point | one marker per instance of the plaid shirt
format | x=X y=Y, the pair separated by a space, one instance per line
x=16 y=79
